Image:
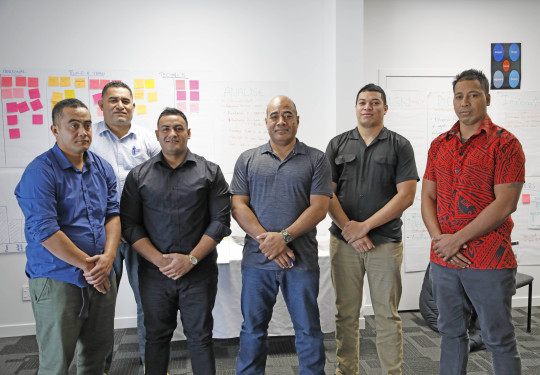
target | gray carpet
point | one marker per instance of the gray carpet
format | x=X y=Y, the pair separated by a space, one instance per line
x=18 y=355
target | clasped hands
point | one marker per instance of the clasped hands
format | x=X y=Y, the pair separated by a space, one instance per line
x=97 y=272
x=447 y=247
x=355 y=233
x=273 y=247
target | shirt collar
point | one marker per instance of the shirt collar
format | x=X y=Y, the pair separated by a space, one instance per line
x=103 y=128
x=485 y=127
x=190 y=157
x=65 y=163
x=299 y=148
x=355 y=134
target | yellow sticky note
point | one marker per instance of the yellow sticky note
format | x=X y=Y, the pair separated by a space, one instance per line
x=149 y=84
x=53 y=81
x=139 y=94
x=80 y=83
x=70 y=94
x=53 y=103
x=57 y=96
x=65 y=81
x=139 y=84
x=152 y=96
x=141 y=109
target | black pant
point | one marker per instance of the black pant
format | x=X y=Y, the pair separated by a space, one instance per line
x=161 y=299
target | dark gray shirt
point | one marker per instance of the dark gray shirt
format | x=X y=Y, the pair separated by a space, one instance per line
x=174 y=208
x=366 y=177
x=279 y=191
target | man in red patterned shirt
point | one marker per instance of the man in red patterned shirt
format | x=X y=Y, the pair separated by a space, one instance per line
x=472 y=184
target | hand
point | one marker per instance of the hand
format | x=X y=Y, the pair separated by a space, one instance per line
x=446 y=246
x=285 y=259
x=175 y=265
x=272 y=245
x=363 y=245
x=354 y=230
x=104 y=287
x=460 y=260
x=102 y=265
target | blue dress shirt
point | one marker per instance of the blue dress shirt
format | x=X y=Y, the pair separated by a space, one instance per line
x=54 y=195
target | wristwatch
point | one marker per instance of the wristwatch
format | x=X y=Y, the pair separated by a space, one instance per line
x=193 y=260
x=286 y=236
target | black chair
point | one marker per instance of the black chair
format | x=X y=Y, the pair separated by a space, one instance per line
x=522 y=280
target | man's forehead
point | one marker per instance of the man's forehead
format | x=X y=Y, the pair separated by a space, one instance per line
x=369 y=95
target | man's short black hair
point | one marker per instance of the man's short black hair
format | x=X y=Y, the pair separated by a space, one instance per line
x=59 y=108
x=470 y=75
x=372 y=87
x=170 y=111
x=116 y=84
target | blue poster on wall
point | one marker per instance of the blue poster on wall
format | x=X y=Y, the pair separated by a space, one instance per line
x=505 y=66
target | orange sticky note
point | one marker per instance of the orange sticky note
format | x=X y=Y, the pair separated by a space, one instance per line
x=526 y=198
x=139 y=84
x=139 y=94
x=56 y=97
x=141 y=109
x=65 y=81
x=80 y=83
x=152 y=96
x=149 y=84
x=53 y=81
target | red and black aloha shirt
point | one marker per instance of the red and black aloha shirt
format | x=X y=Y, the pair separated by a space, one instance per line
x=465 y=174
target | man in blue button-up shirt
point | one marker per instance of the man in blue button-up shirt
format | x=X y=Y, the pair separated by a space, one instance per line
x=69 y=200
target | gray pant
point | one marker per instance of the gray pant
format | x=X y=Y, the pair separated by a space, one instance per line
x=456 y=291
x=59 y=328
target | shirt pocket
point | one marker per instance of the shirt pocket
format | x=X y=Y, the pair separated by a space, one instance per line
x=345 y=164
x=385 y=169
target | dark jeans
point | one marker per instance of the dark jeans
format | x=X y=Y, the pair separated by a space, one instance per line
x=161 y=299
x=456 y=291
x=259 y=291
x=129 y=255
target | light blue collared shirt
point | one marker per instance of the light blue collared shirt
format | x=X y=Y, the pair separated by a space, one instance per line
x=125 y=153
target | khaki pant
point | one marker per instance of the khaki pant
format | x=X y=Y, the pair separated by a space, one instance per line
x=383 y=268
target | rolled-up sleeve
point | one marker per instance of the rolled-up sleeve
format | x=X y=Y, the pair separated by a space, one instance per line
x=131 y=210
x=219 y=206
x=113 y=206
x=36 y=195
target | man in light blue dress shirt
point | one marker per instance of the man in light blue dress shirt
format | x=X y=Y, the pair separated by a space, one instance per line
x=124 y=145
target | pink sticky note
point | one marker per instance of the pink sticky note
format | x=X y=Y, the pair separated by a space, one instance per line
x=23 y=107
x=20 y=81
x=34 y=94
x=97 y=97
x=103 y=82
x=99 y=112
x=181 y=106
x=33 y=82
x=7 y=93
x=14 y=133
x=37 y=119
x=180 y=95
x=94 y=84
x=194 y=96
x=12 y=107
x=526 y=198
x=36 y=105
x=7 y=81
x=194 y=84
x=194 y=107
x=18 y=93
x=12 y=120
x=180 y=84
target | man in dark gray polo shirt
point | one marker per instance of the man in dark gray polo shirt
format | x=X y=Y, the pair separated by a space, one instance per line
x=374 y=180
x=175 y=209
x=281 y=190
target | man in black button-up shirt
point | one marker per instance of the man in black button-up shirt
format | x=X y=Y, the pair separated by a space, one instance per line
x=175 y=209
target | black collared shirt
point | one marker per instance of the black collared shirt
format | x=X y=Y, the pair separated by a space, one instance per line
x=366 y=177
x=174 y=208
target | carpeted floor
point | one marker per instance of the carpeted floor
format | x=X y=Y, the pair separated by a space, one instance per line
x=18 y=355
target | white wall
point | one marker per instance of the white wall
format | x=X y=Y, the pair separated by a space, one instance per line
x=425 y=36
x=237 y=40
